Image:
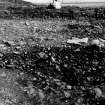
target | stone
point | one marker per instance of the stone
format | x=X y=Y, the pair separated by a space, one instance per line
x=78 y=40
x=9 y=42
x=95 y=42
x=41 y=94
x=69 y=87
x=27 y=23
x=3 y=74
x=99 y=42
x=22 y=43
x=18 y=47
x=1 y=55
x=16 y=52
x=98 y=92
x=2 y=46
x=42 y=55
x=67 y=94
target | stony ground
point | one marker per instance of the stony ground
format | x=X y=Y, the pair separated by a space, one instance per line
x=38 y=67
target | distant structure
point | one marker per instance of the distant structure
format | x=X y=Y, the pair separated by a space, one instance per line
x=57 y=4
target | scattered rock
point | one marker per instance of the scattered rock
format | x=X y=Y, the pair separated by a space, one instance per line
x=99 y=42
x=34 y=79
x=22 y=43
x=3 y=74
x=57 y=67
x=18 y=47
x=27 y=23
x=102 y=42
x=69 y=87
x=42 y=55
x=79 y=101
x=21 y=73
x=3 y=47
x=41 y=94
x=32 y=90
x=53 y=59
x=78 y=49
x=67 y=94
x=1 y=55
x=77 y=40
x=95 y=42
x=98 y=92
x=8 y=43
x=16 y=52
x=10 y=66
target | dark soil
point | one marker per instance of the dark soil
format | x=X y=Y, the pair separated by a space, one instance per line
x=55 y=68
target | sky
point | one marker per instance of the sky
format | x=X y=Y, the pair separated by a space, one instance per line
x=65 y=1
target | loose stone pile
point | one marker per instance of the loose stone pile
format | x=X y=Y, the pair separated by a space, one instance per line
x=76 y=70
